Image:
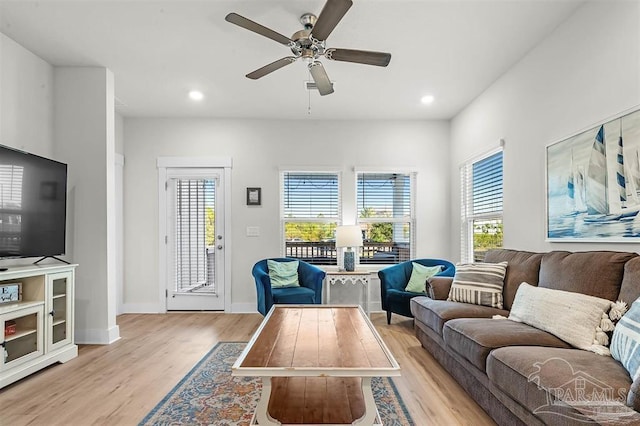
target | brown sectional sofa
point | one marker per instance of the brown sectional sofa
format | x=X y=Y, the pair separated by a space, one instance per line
x=524 y=376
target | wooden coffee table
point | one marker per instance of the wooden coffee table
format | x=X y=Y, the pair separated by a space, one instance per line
x=316 y=364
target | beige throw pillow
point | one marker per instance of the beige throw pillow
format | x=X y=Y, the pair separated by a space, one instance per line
x=573 y=317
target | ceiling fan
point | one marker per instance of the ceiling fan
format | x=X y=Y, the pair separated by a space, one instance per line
x=309 y=44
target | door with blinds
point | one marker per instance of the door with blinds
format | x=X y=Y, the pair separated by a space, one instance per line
x=195 y=239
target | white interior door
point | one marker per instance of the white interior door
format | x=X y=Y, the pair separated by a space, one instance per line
x=195 y=239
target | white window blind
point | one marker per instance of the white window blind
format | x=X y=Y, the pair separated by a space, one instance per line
x=481 y=206
x=11 y=186
x=11 y=178
x=385 y=203
x=194 y=228
x=310 y=211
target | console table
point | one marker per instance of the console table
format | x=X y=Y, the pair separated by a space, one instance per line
x=354 y=277
x=37 y=329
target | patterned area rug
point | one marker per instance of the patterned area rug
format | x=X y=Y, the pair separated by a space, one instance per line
x=209 y=395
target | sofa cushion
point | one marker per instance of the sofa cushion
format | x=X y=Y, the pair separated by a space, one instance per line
x=630 y=288
x=563 y=384
x=295 y=295
x=435 y=313
x=438 y=287
x=475 y=338
x=523 y=266
x=479 y=284
x=596 y=273
x=633 y=399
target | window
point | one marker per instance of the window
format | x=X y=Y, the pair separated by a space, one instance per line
x=194 y=234
x=481 y=207
x=310 y=212
x=386 y=214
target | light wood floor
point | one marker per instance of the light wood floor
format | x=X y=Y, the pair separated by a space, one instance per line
x=120 y=383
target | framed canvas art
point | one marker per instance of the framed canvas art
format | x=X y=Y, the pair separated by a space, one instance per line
x=593 y=183
x=254 y=196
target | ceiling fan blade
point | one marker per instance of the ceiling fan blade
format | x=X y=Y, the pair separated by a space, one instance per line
x=321 y=78
x=331 y=14
x=273 y=66
x=248 y=24
x=380 y=59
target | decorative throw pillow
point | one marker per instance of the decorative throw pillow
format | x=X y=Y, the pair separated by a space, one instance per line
x=419 y=276
x=576 y=318
x=283 y=274
x=479 y=284
x=625 y=343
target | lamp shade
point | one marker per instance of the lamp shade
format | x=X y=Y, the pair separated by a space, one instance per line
x=349 y=236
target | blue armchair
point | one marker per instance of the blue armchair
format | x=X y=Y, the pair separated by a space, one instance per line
x=394 y=279
x=310 y=291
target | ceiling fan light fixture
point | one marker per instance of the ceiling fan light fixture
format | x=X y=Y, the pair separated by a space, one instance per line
x=196 y=95
x=309 y=44
x=311 y=85
x=308 y=20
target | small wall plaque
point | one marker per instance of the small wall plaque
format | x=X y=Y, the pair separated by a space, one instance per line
x=11 y=292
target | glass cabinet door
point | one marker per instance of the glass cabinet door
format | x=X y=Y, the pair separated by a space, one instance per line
x=21 y=338
x=60 y=310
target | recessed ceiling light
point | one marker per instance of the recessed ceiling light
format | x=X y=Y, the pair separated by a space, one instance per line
x=196 y=95
x=427 y=99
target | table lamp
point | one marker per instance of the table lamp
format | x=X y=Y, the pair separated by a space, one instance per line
x=349 y=236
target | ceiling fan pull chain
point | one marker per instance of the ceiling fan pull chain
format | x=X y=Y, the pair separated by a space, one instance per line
x=309 y=94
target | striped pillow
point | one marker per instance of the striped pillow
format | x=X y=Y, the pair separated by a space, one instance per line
x=625 y=342
x=479 y=284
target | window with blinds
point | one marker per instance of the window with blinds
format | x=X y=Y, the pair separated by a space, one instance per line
x=481 y=206
x=310 y=211
x=194 y=234
x=385 y=203
x=11 y=177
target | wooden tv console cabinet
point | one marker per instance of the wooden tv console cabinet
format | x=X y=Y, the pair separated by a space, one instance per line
x=37 y=330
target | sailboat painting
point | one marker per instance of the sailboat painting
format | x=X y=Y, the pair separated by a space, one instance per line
x=593 y=184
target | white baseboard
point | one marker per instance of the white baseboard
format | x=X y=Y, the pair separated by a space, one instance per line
x=97 y=336
x=375 y=307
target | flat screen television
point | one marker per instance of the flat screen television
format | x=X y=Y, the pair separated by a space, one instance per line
x=33 y=205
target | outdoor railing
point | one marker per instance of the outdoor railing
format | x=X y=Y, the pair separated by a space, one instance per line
x=325 y=253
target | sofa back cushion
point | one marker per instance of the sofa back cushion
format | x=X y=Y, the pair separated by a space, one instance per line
x=522 y=266
x=596 y=273
x=630 y=289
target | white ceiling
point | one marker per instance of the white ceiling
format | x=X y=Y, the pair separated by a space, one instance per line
x=158 y=51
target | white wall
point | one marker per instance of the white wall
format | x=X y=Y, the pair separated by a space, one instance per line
x=584 y=72
x=85 y=139
x=258 y=148
x=26 y=99
x=26 y=105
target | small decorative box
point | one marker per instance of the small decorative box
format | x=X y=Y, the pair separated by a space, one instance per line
x=10 y=292
x=9 y=328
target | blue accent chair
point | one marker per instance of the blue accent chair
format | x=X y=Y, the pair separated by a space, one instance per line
x=394 y=279
x=310 y=278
